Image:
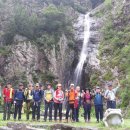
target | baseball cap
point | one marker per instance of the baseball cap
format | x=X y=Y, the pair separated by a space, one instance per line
x=97 y=87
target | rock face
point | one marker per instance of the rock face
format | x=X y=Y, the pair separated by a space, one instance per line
x=92 y=62
x=113 y=117
x=25 y=61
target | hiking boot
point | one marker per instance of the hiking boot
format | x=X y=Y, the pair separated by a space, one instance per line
x=66 y=121
x=97 y=121
x=60 y=121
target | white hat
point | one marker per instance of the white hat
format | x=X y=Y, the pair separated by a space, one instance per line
x=37 y=84
x=59 y=85
x=72 y=85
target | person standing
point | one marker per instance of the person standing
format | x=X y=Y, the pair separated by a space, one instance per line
x=71 y=100
x=58 y=101
x=87 y=105
x=37 y=97
x=8 y=93
x=28 y=99
x=18 y=101
x=77 y=104
x=48 y=97
x=110 y=95
x=98 y=103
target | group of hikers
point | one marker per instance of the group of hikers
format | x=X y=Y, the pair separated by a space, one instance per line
x=53 y=101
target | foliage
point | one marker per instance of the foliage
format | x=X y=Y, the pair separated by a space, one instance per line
x=108 y=76
x=54 y=19
x=44 y=77
x=4 y=51
x=115 y=50
x=94 y=78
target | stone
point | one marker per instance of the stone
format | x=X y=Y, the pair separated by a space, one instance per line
x=113 y=117
x=16 y=126
x=5 y=128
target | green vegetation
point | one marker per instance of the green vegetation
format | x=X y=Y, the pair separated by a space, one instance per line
x=92 y=124
x=108 y=1
x=115 y=49
x=5 y=51
x=44 y=30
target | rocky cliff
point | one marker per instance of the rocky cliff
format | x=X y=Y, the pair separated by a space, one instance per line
x=22 y=59
x=25 y=39
x=114 y=46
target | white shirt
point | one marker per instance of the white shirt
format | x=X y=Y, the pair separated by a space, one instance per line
x=111 y=94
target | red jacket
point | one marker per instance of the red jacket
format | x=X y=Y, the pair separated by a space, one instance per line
x=8 y=94
x=58 y=96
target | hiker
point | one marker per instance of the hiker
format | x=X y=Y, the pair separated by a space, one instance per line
x=28 y=99
x=87 y=105
x=77 y=104
x=58 y=101
x=110 y=95
x=8 y=93
x=71 y=100
x=37 y=97
x=18 y=101
x=98 y=103
x=48 y=97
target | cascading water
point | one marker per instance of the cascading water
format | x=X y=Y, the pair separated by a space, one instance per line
x=84 y=51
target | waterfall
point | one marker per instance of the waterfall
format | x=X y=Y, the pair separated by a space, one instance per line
x=84 y=51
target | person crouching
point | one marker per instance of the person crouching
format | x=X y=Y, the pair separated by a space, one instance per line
x=58 y=100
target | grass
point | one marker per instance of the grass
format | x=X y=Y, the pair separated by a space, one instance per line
x=92 y=124
x=108 y=1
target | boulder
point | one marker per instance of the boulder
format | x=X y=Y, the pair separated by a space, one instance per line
x=113 y=117
x=69 y=127
x=16 y=126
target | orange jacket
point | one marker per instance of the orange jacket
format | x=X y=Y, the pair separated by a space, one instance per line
x=71 y=96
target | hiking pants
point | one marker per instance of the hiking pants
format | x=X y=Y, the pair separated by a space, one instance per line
x=111 y=104
x=36 y=110
x=57 y=106
x=48 y=105
x=29 y=104
x=18 y=109
x=76 y=114
x=99 y=112
x=70 y=107
x=87 y=111
x=7 y=110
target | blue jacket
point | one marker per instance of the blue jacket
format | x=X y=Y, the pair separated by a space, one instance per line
x=37 y=95
x=19 y=95
x=98 y=99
